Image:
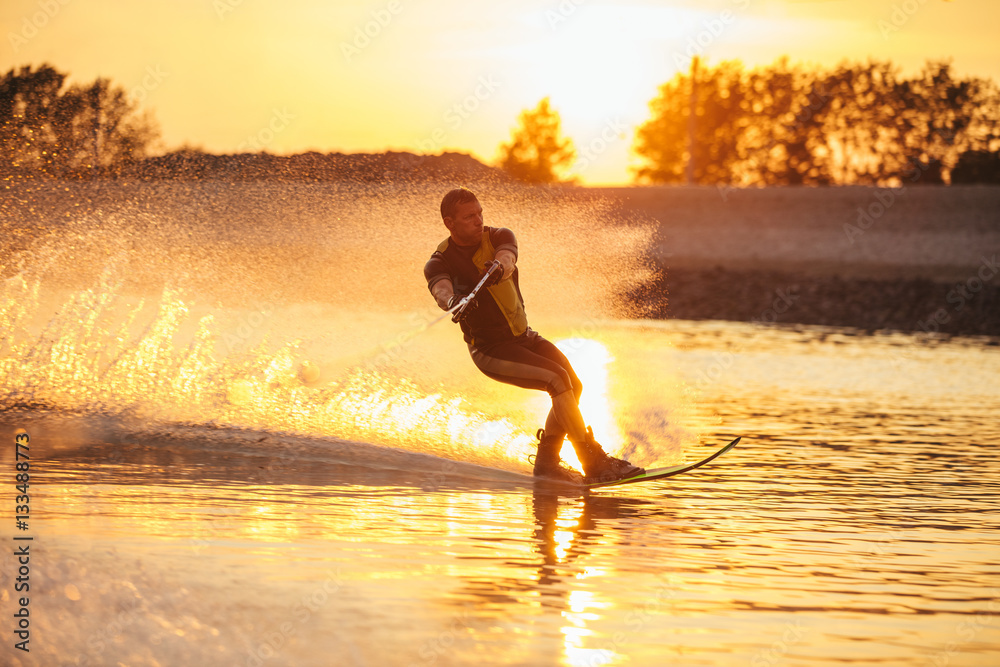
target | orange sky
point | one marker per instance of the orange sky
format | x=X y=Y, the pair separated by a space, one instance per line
x=229 y=75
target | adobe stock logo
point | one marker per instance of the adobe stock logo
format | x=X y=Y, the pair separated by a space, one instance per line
x=613 y=130
x=869 y=216
x=712 y=30
x=381 y=18
x=962 y=294
x=900 y=16
x=455 y=117
x=30 y=25
x=280 y=119
x=154 y=76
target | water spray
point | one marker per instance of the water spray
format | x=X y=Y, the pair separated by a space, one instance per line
x=311 y=375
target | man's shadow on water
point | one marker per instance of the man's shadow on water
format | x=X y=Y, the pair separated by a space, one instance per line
x=534 y=588
x=558 y=542
x=530 y=589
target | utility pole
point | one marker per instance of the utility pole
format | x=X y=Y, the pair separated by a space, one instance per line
x=691 y=119
x=95 y=101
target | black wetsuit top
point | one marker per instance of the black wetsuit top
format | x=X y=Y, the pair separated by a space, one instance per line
x=499 y=315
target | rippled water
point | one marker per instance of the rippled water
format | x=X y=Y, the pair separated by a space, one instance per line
x=855 y=523
x=247 y=449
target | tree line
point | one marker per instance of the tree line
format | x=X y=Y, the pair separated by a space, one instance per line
x=781 y=124
x=784 y=124
x=57 y=130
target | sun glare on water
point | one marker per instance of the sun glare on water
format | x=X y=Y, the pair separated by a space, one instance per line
x=87 y=359
x=590 y=360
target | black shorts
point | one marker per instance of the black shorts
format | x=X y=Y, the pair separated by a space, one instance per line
x=528 y=361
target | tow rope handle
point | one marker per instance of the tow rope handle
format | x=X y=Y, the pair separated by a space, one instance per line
x=459 y=308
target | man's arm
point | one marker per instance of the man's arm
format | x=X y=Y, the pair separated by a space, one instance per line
x=442 y=291
x=438 y=280
x=506 y=245
x=507 y=258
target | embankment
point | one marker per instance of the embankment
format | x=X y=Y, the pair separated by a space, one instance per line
x=909 y=259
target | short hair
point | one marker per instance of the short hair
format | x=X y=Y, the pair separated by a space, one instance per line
x=453 y=199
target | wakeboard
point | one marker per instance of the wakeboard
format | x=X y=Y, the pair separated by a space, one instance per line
x=660 y=473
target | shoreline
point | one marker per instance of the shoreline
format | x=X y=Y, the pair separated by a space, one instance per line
x=782 y=297
x=927 y=262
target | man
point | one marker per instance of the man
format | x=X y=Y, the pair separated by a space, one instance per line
x=503 y=346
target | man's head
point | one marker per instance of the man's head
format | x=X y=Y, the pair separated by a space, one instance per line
x=463 y=216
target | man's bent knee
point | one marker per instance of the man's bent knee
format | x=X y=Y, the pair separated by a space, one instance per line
x=560 y=384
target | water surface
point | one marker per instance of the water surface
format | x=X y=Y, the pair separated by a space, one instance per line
x=856 y=523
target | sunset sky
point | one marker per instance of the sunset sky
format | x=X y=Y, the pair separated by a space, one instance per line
x=231 y=75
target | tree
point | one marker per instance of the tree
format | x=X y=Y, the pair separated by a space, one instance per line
x=858 y=123
x=57 y=131
x=781 y=139
x=27 y=104
x=664 y=140
x=863 y=131
x=953 y=116
x=751 y=128
x=977 y=167
x=537 y=152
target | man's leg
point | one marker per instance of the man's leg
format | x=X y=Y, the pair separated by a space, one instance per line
x=525 y=363
x=535 y=363
x=551 y=439
x=565 y=417
x=566 y=412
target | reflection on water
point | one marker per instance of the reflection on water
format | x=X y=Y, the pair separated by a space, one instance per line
x=856 y=523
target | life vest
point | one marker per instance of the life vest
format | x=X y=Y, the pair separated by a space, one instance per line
x=499 y=315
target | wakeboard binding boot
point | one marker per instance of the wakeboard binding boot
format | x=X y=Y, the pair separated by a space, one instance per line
x=547 y=462
x=598 y=466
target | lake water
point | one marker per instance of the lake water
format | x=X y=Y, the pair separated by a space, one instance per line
x=311 y=482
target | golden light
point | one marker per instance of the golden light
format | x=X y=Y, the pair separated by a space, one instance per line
x=564 y=537
x=595 y=73
x=581 y=603
x=590 y=360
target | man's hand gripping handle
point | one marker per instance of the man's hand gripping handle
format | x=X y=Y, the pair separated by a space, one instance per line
x=458 y=307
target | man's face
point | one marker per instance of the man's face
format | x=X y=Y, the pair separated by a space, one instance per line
x=466 y=226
